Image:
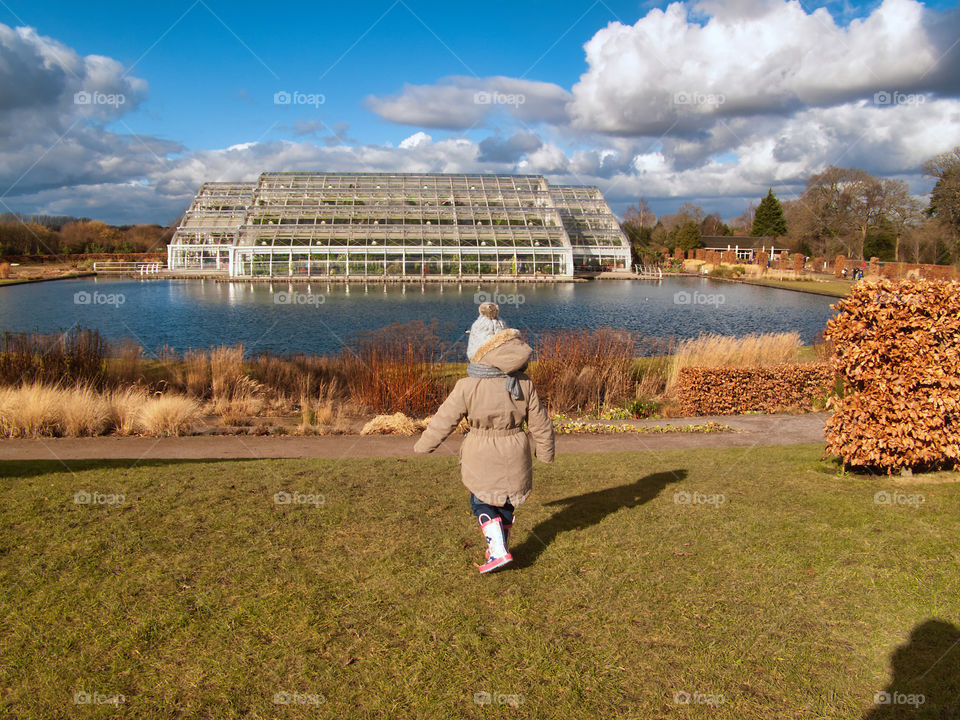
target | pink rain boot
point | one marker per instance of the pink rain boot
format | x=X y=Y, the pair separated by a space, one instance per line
x=506 y=537
x=497 y=554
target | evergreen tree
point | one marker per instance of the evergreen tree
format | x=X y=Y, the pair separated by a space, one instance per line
x=769 y=220
x=686 y=237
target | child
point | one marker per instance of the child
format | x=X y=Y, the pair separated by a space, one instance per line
x=496 y=398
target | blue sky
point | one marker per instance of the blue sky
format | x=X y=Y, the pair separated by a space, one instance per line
x=707 y=101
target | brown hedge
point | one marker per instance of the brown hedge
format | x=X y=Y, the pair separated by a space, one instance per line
x=897 y=348
x=732 y=390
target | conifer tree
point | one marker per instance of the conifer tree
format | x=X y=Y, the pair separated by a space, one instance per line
x=769 y=220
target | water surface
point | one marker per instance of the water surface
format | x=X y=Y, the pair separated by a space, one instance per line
x=319 y=318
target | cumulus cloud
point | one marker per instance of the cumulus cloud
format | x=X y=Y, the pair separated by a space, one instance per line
x=48 y=79
x=459 y=103
x=670 y=73
x=508 y=150
x=53 y=104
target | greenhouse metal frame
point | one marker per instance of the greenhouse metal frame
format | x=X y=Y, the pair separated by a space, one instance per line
x=330 y=225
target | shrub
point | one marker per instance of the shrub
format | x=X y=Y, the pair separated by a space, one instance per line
x=897 y=348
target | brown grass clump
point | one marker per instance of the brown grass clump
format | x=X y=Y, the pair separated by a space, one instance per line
x=84 y=412
x=241 y=404
x=757 y=350
x=396 y=424
x=125 y=406
x=170 y=415
x=235 y=394
x=38 y=410
x=126 y=365
x=31 y=410
x=228 y=378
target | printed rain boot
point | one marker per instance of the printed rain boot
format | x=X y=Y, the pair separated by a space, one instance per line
x=497 y=554
x=506 y=538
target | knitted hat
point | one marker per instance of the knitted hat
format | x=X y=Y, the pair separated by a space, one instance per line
x=484 y=327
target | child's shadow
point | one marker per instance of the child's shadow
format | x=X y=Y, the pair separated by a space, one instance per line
x=582 y=511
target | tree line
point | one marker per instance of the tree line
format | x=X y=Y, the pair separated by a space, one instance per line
x=841 y=211
x=61 y=235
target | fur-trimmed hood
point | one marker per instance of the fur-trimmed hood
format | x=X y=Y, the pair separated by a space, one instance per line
x=504 y=351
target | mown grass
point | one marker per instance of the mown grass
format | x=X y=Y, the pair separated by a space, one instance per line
x=199 y=596
x=837 y=288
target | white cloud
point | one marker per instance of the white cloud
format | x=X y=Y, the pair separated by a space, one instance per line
x=416 y=140
x=668 y=73
x=459 y=103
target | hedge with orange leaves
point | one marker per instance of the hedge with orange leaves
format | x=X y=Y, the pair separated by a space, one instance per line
x=898 y=352
x=735 y=390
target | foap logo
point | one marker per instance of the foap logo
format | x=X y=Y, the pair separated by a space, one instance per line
x=698 y=298
x=283 y=697
x=685 y=497
x=284 y=97
x=83 y=497
x=85 y=97
x=498 y=698
x=515 y=299
x=82 y=697
x=898 y=698
x=498 y=98
x=893 y=97
x=698 y=98
x=493 y=498
x=83 y=297
x=894 y=298
x=914 y=500
x=696 y=698
x=298 y=298
x=298 y=498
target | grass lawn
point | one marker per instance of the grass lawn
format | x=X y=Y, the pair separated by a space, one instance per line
x=837 y=288
x=754 y=583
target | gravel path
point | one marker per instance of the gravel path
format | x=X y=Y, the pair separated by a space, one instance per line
x=751 y=430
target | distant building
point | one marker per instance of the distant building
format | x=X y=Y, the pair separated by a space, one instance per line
x=746 y=247
x=379 y=224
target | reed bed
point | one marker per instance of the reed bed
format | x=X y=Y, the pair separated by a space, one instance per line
x=397 y=369
x=584 y=369
x=74 y=356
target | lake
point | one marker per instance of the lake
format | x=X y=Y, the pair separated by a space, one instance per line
x=319 y=318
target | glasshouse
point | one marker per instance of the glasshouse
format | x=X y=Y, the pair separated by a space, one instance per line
x=404 y=224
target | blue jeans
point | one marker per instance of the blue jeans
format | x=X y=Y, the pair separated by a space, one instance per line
x=504 y=512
